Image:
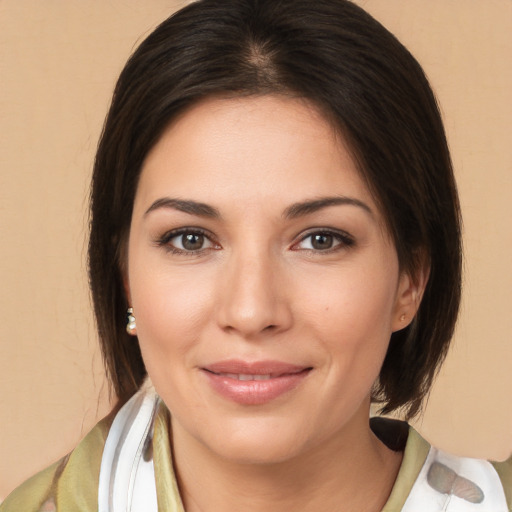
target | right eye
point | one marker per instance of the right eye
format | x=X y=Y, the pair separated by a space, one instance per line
x=190 y=242
x=187 y=241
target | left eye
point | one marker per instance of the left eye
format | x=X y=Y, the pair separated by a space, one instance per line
x=323 y=241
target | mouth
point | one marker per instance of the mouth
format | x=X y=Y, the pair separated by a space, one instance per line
x=254 y=383
x=246 y=377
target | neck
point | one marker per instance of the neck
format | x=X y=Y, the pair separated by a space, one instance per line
x=352 y=471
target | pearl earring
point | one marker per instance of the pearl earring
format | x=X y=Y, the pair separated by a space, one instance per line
x=402 y=317
x=131 y=326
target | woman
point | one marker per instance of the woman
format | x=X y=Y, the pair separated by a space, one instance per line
x=275 y=241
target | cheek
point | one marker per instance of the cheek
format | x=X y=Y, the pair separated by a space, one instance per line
x=350 y=313
x=170 y=305
x=350 y=304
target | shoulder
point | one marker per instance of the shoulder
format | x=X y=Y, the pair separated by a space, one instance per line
x=504 y=470
x=431 y=480
x=69 y=484
x=450 y=483
x=31 y=495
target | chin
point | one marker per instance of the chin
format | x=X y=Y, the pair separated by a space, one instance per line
x=258 y=453
x=257 y=442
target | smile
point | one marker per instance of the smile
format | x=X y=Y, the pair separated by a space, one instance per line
x=254 y=383
x=242 y=376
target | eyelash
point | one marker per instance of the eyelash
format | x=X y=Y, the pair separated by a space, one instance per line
x=165 y=240
x=345 y=241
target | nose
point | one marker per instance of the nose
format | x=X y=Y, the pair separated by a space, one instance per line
x=252 y=298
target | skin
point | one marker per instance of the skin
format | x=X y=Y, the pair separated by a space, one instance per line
x=259 y=288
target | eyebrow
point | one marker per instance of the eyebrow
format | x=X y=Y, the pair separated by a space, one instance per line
x=307 y=207
x=186 y=206
x=293 y=211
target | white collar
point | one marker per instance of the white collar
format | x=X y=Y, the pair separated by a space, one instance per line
x=127 y=479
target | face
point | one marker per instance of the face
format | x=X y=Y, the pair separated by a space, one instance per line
x=263 y=280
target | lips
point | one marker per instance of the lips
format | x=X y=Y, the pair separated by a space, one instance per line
x=254 y=383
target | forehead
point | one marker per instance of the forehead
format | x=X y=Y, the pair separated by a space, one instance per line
x=270 y=148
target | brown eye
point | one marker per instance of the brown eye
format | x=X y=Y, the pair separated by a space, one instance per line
x=192 y=241
x=322 y=241
x=186 y=241
x=325 y=241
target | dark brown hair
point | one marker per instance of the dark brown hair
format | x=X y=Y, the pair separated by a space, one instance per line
x=335 y=55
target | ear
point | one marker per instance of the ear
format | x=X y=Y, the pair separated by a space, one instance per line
x=131 y=326
x=126 y=286
x=131 y=323
x=408 y=298
x=123 y=270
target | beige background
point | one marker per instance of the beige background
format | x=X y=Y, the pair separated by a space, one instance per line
x=58 y=63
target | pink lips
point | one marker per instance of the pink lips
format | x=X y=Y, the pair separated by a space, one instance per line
x=254 y=383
